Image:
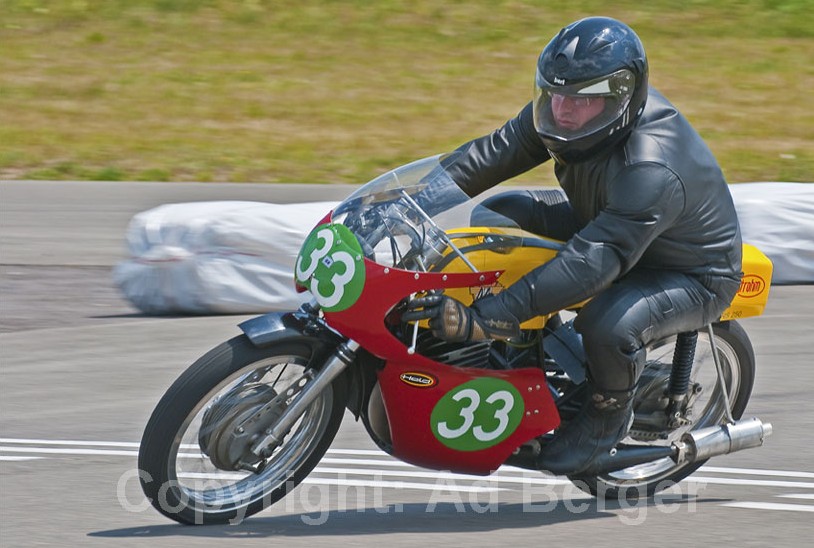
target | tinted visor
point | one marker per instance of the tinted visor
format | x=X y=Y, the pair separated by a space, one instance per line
x=570 y=112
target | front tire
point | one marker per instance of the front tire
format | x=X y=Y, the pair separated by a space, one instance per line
x=738 y=362
x=195 y=468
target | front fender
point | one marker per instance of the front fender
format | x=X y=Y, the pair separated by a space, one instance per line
x=270 y=328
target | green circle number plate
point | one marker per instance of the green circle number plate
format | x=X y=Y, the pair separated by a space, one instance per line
x=331 y=266
x=478 y=414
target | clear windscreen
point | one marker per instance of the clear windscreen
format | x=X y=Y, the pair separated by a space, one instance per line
x=404 y=218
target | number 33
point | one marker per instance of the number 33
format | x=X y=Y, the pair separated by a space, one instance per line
x=468 y=414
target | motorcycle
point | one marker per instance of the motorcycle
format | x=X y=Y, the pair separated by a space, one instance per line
x=248 y=421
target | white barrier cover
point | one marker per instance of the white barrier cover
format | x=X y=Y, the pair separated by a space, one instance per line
x=216 y=257
x=778 y=219
x=238 y=257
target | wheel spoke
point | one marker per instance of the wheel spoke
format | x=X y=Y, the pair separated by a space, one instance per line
x=282 y=370
x=209 y=485
x=203 y=470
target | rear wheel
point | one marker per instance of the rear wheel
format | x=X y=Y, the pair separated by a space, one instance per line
x=195 y=458
x=737 y=360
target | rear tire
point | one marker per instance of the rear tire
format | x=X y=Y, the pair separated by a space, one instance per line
x=738 y=362
x=198 y=416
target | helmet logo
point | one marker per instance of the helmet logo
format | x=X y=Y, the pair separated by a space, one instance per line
x=559 y=81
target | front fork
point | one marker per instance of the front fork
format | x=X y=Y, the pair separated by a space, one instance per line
x=334 y=366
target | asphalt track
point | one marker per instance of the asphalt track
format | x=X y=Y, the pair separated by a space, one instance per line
x=81 y=369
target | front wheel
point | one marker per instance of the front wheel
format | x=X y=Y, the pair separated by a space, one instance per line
x=195 y=459
x=737 y=360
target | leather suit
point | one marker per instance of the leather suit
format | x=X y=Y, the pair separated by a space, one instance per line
x=651 y=230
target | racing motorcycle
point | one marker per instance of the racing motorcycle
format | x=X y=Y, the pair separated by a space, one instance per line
x=248 y=421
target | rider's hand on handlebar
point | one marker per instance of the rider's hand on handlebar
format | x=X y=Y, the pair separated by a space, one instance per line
x=453 y=321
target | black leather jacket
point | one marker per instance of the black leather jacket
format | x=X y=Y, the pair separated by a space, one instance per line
x=657 y=200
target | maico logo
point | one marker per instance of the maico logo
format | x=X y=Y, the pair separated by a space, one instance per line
x=421 y=380
x=752 y=285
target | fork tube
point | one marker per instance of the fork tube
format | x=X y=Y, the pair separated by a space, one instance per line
x=337 y=363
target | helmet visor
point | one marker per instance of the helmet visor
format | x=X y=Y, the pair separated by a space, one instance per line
x=569 y=112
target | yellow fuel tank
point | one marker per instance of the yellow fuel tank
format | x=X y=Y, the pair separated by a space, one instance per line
x=512 y=251
x=516 y=252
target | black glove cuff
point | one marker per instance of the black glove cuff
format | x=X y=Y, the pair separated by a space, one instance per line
x=495 y=318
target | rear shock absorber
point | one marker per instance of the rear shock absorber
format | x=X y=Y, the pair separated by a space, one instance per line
x=683 y=357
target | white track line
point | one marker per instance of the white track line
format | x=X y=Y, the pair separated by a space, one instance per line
x=371 y=452
x=358 y=483
x=756 y=472
x=135 y=445
x=442 y=479
x=391 y=463
x=697 y=479
x=402 y=485
x=758 y=483
x=68 y=451
x=771 y=506
x=125 y=453
x=71 y=442
x=320 y=468
x=495 y=478
x=806 y=496
x=346 y=457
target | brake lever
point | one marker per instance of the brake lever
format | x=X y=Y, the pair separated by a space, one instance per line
x=411 y=348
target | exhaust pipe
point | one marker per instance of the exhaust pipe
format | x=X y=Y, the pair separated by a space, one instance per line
x=725 y=439
x=694 y=446
x=617 y=458
x=626 y=456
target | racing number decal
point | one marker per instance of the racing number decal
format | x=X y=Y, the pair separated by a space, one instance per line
x=312 y=251
x=330 y=265
x=477 y=414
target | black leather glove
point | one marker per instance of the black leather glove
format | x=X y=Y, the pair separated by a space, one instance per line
x=453 y=321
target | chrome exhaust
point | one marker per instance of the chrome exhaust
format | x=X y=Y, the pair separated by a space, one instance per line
x=722 y=440
x=694 y=446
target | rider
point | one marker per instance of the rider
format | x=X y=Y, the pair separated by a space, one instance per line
x=651 y=230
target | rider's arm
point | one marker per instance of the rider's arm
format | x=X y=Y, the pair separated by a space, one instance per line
x=643 y=201
x=505 y=153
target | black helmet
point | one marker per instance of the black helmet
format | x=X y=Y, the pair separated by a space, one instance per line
x=591 y=86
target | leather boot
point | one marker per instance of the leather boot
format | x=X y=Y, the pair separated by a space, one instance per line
x=603 y=421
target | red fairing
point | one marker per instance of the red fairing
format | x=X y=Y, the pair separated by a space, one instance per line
x=409 y=406
x=384 y=288
x=409 y=409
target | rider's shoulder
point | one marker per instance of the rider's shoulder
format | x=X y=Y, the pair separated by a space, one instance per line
x=657 y=135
